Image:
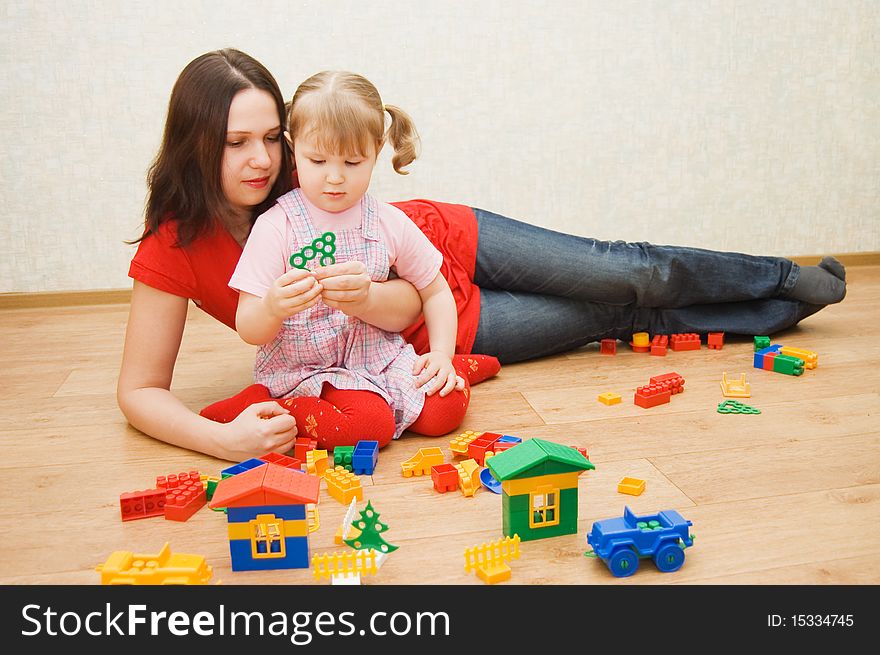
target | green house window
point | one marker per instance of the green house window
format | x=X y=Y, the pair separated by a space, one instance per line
x=544 y=507
x=267 y=537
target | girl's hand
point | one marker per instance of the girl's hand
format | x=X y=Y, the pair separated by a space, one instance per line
x=292 y=293
x=346 y=286
x=261 y=428
x=436 y=368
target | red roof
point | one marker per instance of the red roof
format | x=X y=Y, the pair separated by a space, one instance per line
x=267 y=485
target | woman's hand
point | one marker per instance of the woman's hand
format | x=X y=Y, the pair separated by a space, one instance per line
x=346 y=286
x=259 y=429
x=436 y=368
x=294 y=291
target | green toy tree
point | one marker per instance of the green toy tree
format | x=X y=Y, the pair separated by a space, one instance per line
x=371 y=529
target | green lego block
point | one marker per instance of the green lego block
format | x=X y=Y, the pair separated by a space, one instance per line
x=342 y=456
x=761 y=342
x=209 y=490
x=788 y=365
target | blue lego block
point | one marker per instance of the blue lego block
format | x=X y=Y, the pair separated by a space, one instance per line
x=620 y=542
x=508 y=439
x=364 y=458
x=241 y=467
x=297 y=556
x=286 y=512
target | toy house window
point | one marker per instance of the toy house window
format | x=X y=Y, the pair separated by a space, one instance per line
x=267 y=537
x=544 y=507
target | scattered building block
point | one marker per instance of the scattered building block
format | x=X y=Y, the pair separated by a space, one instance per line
x=421 y=462
x=715 y=340
x=343 y=485
x=735 y=388
x=317 y=461
x=184 y=498
x=342 y=456
x=672 y=381
x=736 y=407
x=761 y=343
x=609 y=398
x=142 y=504
x=489 y=561
x=365 y=457
x=284 y=461
x=302 y=445
x=631 y=486
x=659 y=344
x=458 y=445
x=641 y=342
x=444 y=477
x=608 y=347
x=468 y=476
x=811 y=359
x=478 y=447
x=651 y=395
x=686 y=341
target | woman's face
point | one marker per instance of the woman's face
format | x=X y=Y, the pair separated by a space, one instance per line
x=252 y=155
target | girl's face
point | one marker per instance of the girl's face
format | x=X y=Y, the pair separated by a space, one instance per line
x=252 y=155
x=332 y=182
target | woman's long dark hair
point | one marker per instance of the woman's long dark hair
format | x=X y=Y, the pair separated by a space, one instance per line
x=184 y=181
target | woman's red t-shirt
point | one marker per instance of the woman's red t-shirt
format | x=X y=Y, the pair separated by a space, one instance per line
x=201 y=271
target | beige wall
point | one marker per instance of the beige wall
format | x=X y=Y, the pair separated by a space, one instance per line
x=748 y=126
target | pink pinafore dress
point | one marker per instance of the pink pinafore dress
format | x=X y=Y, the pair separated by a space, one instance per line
x=321 y=344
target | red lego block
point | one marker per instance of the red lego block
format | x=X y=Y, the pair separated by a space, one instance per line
x=715 y=340
x=478 y=447
x=184 y=500
x=671 y=381
x=500 y=447
x=302 y=445
x=658 y=345
x=608 y=347
x=768 y=361
x=582 y=451
x=142 y=504
x=282 y=460
x=689 y=341
x=651 y=396
x=445 y=477
x=172 y=481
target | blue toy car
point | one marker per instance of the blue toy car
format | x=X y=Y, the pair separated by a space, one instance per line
x=621 y=542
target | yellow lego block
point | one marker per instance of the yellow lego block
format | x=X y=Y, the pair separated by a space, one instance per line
x=356 y=562
x=422 y=461
x=609 y=398
x=291 y=527
x=316 y=462
x=343 y=485
x=811 y=359
x=631 y=486
x=735 y=388
x=468 y=476
x=459 y=445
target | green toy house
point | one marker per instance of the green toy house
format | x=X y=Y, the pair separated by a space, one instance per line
x=539 y=488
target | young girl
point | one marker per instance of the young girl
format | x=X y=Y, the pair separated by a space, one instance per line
x=344 y=379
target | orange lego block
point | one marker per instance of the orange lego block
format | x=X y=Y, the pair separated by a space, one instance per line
x=672 y=381
x=343 y=485
x=658 y=345
x=185 y=499
x=687 y=341
x=651 y=396
x=444 y=477
x=609 y=398
x=631 y=486
x=715 y=340
x=142 y=504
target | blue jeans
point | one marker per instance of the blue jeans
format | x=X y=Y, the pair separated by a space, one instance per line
x=544 y=292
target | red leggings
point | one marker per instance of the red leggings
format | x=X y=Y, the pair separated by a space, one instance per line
x=342 y=417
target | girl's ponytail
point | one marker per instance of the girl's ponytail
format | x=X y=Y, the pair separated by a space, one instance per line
x=403 y=137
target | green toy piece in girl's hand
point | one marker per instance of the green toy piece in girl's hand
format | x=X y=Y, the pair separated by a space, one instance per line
x=324 y=245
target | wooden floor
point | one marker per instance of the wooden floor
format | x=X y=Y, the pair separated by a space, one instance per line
x=791 y=496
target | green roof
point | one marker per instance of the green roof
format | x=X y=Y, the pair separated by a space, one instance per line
x=534 y=452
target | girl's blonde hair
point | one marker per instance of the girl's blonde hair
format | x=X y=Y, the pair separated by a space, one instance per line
x=345 y=114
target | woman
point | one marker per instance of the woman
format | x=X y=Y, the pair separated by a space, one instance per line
x=521 y=291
